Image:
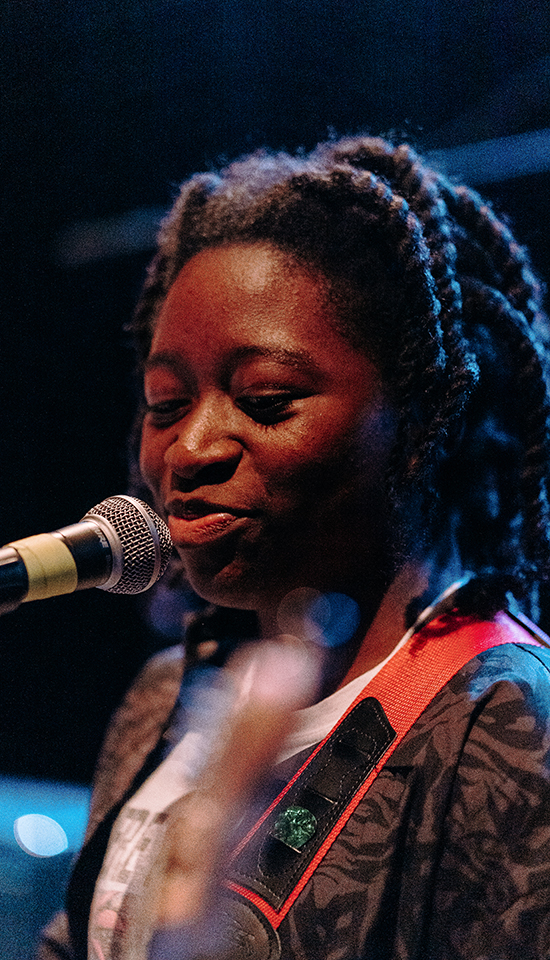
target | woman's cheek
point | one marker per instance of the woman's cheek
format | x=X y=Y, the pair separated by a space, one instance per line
x=151 y=459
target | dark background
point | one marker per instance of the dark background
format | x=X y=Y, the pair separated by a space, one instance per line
x=107 y=106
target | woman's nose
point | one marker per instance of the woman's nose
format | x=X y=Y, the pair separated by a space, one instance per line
x=203 y=443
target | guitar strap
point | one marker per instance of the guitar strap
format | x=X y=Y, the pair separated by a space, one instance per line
x=277 y=858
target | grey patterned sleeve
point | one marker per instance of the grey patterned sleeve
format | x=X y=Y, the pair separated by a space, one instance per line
x=492 y=892
x=447 y=857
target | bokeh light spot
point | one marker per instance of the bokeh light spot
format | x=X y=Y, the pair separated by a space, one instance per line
x=39 y=835
x=329 y=619
x=337 y=616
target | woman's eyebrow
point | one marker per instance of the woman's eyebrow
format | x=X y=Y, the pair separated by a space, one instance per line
x=300 y=359
x=163 y=359
x=297 y=359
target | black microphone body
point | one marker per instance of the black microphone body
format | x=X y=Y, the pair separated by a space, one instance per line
x=121 y=545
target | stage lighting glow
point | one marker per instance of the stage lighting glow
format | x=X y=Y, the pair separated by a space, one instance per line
x=39 y=835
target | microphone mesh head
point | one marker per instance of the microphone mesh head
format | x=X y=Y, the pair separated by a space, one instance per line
x=144 y=538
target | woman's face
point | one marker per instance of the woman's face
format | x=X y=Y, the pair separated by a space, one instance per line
x=266 y=435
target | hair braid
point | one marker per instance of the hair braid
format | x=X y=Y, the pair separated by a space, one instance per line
x=406 y=174
x=530 y=410
x=534 y=405
x=422 y=190
x=513 y=274
x=403 y=170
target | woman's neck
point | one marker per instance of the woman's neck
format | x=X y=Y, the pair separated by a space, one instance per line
x=417 y=582
x=384 y=617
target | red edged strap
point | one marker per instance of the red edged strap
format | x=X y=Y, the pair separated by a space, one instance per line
x=404 y=687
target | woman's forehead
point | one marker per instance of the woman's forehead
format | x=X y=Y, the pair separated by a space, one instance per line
x=239 y=302
x=246 y=288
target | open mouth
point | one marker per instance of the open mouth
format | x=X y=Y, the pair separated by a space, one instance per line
x=195 y=523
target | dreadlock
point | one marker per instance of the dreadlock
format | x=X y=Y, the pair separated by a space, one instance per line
x=434 y=286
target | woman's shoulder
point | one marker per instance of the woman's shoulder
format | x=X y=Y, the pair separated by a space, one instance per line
x=500 y=696
x=162 y=668
x=520 y=666
x=149 y=700
x=500 y=650
x=135 y=729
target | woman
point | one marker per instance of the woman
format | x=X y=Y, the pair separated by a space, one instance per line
x=345 y=398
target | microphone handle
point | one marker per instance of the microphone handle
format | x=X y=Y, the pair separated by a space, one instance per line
x=14 y=580
x=78 y=557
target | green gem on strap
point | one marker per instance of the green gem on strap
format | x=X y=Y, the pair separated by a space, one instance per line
x=294 y=827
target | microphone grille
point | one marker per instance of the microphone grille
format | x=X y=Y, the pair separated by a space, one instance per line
x=144 y=538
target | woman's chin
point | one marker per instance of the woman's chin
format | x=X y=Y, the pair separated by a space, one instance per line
x=229 y=587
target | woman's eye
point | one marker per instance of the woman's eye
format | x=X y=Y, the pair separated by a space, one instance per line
x=267 y=408
x=165 y=412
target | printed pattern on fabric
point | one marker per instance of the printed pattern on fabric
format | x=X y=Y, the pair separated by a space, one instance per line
x=113 y=921
x=448 y=855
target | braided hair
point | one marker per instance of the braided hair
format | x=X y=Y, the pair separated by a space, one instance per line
x=435 y=288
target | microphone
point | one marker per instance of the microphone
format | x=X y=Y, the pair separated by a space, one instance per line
x=120 y=545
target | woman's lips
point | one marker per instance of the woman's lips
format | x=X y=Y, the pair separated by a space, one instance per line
x=191 y=527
